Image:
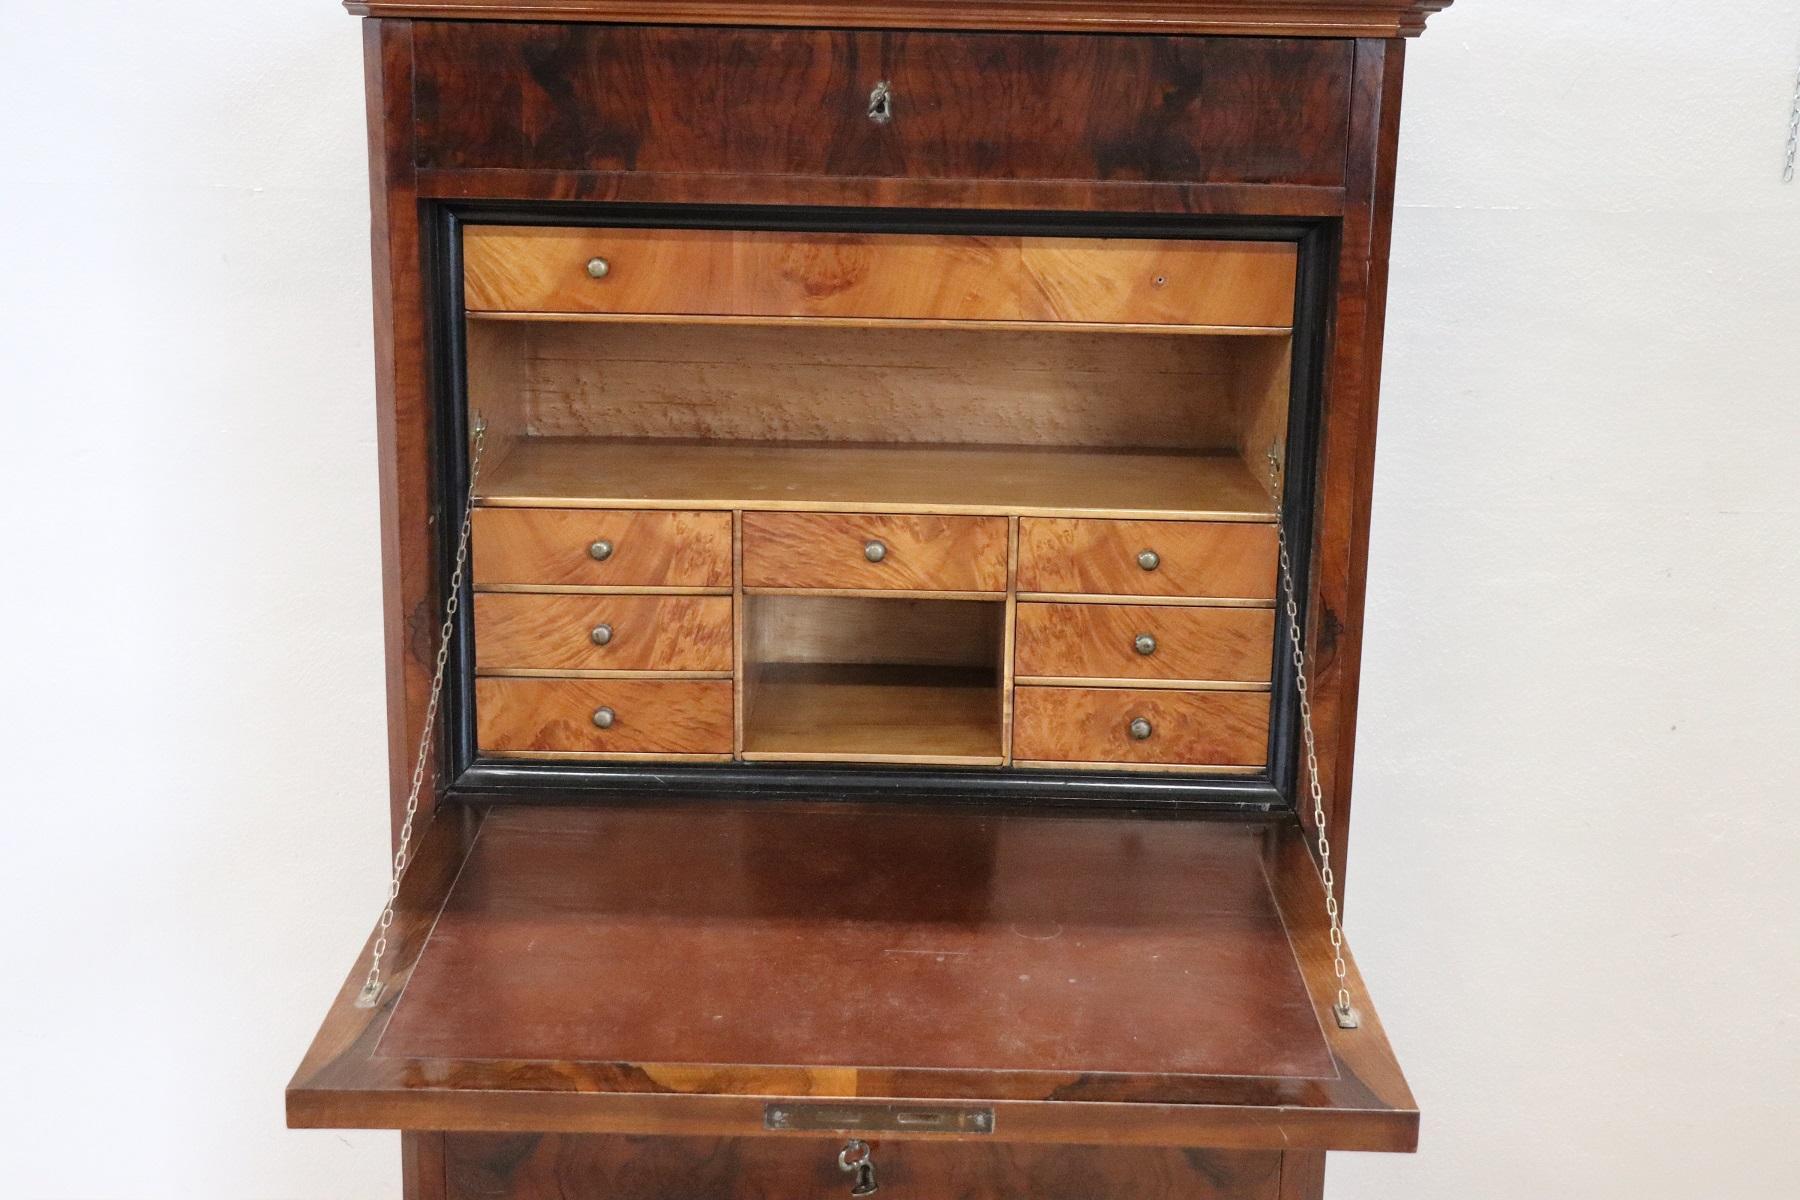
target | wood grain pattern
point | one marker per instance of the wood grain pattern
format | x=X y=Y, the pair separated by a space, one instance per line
x=799 y=383
x=783 y=628
x=652 y=717
x=1064 y=724
x=520 y=631
x=1187 y=283
x=604 y=473
x=1099 y=641
x=815 y=879
x=1280 y=18
x=551 y=1167
x=1202 y=559
x=826 y=550
x=794 y=104
x=650 y=549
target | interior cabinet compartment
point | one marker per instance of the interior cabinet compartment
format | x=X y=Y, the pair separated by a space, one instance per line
x=848 y=679
x=816 y=416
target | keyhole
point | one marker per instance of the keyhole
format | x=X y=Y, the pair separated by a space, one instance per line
x=881 y=103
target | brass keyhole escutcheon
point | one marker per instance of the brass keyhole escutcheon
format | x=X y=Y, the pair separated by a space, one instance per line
x=881 y=103
x=857 y=1159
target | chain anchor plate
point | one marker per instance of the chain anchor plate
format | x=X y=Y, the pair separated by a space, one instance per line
x=1341 y=1009
x=372 y=985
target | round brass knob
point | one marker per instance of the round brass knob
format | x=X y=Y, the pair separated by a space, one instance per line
x=1149 y=559
x=601 y=550
x=604 y=717
x=875 y=551
x=598 y=268
x=1144 y=644
x=602 y=634
x=1139 y=729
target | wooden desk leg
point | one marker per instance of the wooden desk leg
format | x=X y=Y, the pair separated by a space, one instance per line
x=1303 y=1175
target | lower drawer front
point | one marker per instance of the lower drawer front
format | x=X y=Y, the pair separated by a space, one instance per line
x=481 y=1166
x=603 y=716
x=518 y=631
x=1141 y=725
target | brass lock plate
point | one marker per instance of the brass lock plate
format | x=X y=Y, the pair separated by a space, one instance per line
x=877 y=1118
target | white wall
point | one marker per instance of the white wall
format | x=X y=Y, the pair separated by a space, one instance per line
x=1577 y=831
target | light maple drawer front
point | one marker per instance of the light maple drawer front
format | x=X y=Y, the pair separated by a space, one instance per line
x=1210 y=559
x=522 y=631
x=727 y=273
x=549 y=547
x=1141 y=725
x=1145 y=641
x=875 y=552
x=603 y=716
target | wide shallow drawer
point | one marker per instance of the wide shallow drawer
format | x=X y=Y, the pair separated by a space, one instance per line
x=550 y=547
x=1145 y=641
x=875 y=552
x=963 y=106
x=1096 y=725
x=533 y=631
x=603 y=716
x=529 y=1166
x=1209 y=559
x=735 y=273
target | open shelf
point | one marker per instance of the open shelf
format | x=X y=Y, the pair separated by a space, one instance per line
x=588 y=472
x=834 y=712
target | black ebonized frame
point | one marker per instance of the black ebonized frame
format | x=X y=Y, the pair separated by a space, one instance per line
x=487 y=781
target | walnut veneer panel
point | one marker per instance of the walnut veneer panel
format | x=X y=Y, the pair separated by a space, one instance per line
x=736 y=273
x=556 y=716
x=552 y=547
x=795 y=103
x=522 y=631
x=862 y=939
x=919 y=553
x=1101 y=641
x=1092 y=725
x=1217 y=560
x=539 y=1167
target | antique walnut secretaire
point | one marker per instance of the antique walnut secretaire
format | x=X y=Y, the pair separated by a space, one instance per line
x=875 y=501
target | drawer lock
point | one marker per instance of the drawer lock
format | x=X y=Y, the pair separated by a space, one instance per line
x=876 y=1118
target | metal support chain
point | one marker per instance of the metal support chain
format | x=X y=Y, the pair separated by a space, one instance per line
x=372 y=986
x=1342 y=1009
x=1793 y=138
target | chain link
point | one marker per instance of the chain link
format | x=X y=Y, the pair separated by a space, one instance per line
x=1793 y=138
x=1343 y=1010
x=371 y=989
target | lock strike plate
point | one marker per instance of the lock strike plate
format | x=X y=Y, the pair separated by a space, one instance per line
x=877 y=1118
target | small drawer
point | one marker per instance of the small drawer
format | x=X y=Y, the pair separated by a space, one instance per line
x=603 y=716
x=518 y=631
x=875 y=552
x=549 y=547
x=1145 y=641
x=1204 y=559
x=1141 y=725
x=735 y=273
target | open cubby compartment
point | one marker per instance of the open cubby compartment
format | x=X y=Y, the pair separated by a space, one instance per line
x=874 y=679
x=878 y=416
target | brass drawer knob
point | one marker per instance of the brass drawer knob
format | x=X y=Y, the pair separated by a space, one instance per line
x=1144 y=644
x=598 y=268
x=1149 y=559
x=604 y=717
x=875 y=551
x=1139 y=729
x=601 y=550
x=601 y=635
